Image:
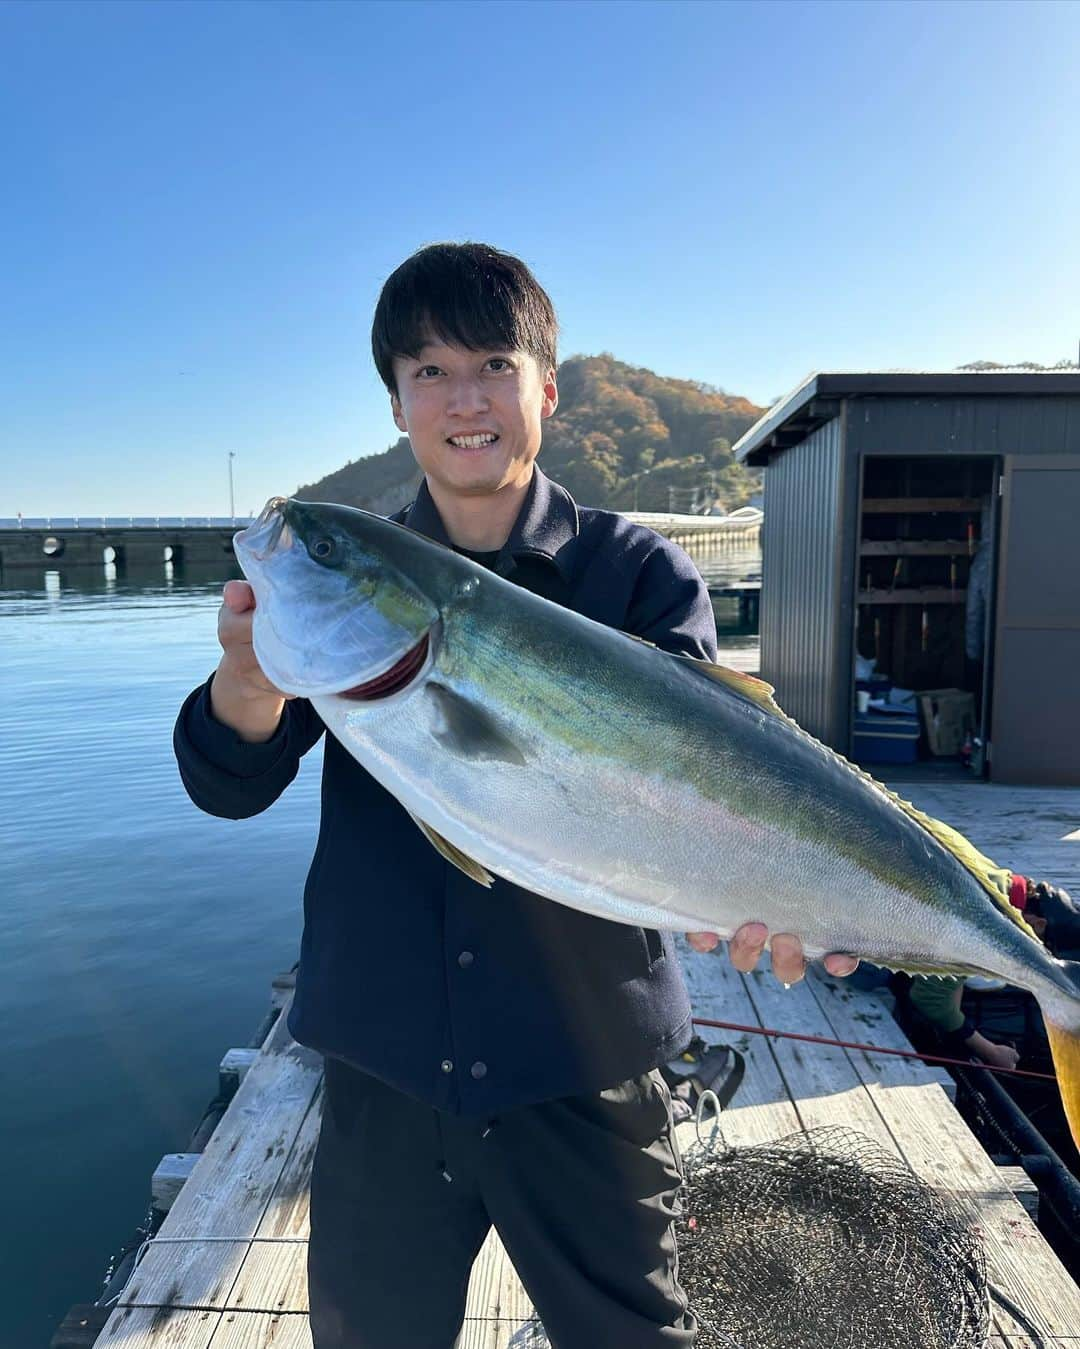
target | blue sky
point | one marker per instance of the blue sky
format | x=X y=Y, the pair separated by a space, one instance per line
x=202 y=199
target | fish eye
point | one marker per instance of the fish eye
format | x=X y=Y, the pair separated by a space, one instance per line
x=323 y=550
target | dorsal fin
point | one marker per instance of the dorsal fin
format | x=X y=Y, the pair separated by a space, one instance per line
x=748 y=686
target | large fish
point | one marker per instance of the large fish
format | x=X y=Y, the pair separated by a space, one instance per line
x=592 y=768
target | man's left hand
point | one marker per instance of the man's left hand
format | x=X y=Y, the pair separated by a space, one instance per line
x=788 y=963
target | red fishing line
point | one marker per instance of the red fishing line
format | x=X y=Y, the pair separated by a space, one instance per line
x=870 y=1049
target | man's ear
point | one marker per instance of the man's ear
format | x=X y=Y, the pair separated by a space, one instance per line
x=398 y=415
x=551 y=395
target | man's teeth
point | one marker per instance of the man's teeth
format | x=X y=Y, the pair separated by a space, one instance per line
x=472 y=442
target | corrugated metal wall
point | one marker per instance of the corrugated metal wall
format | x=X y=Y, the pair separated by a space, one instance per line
x=987 y=425
x=800 y=575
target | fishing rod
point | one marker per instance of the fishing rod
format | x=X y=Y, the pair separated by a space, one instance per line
x=870 y=1049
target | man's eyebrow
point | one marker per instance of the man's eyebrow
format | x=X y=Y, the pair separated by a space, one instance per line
x=436 y=347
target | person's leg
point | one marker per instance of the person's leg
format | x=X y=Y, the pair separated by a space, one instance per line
x=583 y=1193
x=392 y=1241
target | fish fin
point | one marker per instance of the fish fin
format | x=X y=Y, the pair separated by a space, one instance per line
x=462 y=861
x=921 y=971
x=469 y=731
x=745 y=685
x=1062 y=1021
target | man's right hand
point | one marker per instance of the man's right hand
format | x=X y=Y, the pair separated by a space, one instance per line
x=241 y=696
x=1000 y=1056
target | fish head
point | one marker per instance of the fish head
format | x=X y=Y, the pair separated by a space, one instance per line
x=337 y=605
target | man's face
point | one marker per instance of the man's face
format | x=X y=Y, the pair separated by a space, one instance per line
x=451 y=402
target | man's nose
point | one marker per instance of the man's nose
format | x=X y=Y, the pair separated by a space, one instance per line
x=467 y=396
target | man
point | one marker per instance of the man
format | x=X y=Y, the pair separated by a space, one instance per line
x=491 y=1057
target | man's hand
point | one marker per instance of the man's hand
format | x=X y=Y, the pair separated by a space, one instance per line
x=1000 y=1056
x=788 y=964
x=241 y=696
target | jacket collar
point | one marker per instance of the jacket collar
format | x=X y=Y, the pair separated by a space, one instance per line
x=546 y=526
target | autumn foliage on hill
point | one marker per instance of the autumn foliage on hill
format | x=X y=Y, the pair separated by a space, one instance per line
x=621 y=435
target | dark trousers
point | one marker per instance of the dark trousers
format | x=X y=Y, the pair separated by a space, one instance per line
x=582 y=1192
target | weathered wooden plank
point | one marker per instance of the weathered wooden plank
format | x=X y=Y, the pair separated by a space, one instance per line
x=233 y=1068
x=1026 y=1342
x=762 y=1110
x=230 y=1188
x=185 y=1274
x=866 y=1018
x=258 y=1330
x=273 y=1274
x=502 y=1334
x=823 y=1080
x=287 y=1210
x=1023 y=1188
x=495 y=1291
x=170 y=1176
x=272 y=1277
x=158 y=1328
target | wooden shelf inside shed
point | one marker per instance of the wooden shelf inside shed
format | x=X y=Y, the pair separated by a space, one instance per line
x=920 y=505
x=913 y=548
x=928 y=595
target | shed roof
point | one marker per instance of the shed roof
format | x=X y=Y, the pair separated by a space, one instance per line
x=817 y=398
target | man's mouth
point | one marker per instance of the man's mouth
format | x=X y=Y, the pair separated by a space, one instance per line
x=475 y=442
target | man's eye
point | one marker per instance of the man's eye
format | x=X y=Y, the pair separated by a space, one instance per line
x=426 y=370
x=501 y=362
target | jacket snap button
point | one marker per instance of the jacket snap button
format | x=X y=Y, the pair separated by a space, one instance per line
x=465 y=959
x=479 y=1070
x=447 y=1066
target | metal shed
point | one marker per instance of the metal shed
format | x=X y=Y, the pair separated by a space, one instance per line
x=880 y=491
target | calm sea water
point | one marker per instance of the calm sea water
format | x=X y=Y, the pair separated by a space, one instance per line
x=138 y=936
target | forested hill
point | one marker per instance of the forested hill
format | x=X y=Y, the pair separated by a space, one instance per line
x=618 y=429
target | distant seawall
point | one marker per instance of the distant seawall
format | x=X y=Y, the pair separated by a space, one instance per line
x=135 y=541
x=130 y=541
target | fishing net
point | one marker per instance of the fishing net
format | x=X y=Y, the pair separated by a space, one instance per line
x=824 y=1240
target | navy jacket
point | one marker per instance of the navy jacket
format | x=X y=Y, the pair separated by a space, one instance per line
x=469 y=999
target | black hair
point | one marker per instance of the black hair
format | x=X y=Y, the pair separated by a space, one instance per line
x=468 y=295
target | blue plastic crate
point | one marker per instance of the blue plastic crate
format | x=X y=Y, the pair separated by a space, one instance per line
x=886 y=737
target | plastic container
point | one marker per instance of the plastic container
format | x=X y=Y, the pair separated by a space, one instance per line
x=886 y=738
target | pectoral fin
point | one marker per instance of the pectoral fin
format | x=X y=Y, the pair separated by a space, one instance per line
x=470 y=731
x=473 y=870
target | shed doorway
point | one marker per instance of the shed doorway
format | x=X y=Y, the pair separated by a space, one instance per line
x=924 y=612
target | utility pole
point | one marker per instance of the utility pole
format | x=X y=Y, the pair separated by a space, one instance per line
x=232 y=507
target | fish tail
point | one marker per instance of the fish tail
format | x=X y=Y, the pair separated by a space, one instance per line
x=1062 y=1021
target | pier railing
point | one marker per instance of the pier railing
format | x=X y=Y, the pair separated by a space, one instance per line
x=125 y=521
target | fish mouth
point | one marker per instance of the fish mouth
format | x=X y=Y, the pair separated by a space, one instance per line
x=266 y=534
x=398 y=677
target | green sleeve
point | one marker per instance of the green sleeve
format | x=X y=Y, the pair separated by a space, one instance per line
x=939 y=1001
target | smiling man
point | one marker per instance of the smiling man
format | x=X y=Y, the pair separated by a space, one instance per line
x=491 y=1057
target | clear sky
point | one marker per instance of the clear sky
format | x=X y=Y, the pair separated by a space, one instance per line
x=201 y=200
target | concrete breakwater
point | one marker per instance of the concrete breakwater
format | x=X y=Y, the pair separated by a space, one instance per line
x=89 y=543
x=146 y=541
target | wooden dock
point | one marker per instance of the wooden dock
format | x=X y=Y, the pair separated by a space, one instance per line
x=227 y=1268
